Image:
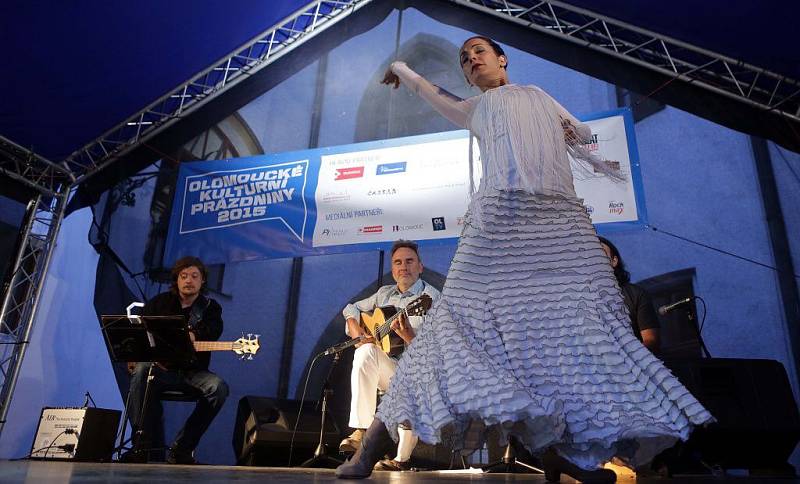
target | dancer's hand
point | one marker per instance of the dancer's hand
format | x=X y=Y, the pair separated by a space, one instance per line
x=391 y=78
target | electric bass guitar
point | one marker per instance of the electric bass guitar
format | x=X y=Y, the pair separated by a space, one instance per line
x=244 y=347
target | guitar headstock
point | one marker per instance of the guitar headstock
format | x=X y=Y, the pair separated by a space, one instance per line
x=419 y=306
x=246 y=346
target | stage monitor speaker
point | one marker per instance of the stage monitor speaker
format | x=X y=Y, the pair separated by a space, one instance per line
x=758 y=425
x=82 y=434
x=263 y=432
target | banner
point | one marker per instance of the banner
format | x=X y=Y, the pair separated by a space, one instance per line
x=364 y=196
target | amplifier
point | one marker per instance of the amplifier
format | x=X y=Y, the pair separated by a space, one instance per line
x=264 y=426
x=75 y=433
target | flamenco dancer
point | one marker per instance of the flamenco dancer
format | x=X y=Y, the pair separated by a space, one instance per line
x=531 y=333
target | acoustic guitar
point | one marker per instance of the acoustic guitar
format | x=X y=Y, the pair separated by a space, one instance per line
x=379 y=323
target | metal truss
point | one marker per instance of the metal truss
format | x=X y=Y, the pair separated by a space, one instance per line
x=723 y=75
x=27 y=167
x=269 y=46
x=21 y=297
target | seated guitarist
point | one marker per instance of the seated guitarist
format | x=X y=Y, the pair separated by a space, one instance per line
x=372 y=368
x=204 y=316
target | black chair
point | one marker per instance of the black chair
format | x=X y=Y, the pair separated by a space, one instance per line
x=188 y=395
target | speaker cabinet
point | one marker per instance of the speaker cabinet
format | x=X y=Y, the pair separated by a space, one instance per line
x=263 y=432
x=82 y=434
x=758 y=425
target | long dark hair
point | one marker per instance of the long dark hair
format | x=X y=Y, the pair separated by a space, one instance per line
x=623 y=276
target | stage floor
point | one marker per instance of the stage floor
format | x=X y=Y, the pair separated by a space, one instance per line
x=68 y=472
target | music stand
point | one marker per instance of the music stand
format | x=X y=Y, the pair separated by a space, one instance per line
x=162 y=339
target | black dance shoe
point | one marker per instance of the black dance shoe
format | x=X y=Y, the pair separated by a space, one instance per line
x=176 y=455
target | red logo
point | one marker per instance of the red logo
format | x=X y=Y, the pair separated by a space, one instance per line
x=349 y=172
x=371 y=229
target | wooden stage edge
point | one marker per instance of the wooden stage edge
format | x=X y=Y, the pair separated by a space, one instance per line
x=24 y=471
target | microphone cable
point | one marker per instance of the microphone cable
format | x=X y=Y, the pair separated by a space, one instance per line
x=300 y=410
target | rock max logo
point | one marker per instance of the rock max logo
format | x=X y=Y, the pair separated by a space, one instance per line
x=616 y=208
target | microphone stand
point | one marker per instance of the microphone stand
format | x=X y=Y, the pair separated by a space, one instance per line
x=694 y=325
x=321 y=457
x=510 y=464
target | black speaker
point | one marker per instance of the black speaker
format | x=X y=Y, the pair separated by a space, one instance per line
x=81 y=433
x=263 y=431
x=758 y=424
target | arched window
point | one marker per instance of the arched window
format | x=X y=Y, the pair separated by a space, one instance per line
x=387 y=113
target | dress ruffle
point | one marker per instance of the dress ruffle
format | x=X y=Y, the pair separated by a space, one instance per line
x=531 y=335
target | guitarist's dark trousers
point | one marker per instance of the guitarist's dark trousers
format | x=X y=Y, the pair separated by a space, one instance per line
x=212 y=390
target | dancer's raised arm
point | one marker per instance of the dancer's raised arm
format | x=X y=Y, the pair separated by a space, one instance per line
x=448 y=105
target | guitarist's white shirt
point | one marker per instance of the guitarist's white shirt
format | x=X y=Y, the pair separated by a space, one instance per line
x=391 y=296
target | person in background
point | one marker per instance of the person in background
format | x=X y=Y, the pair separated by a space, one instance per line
x=644 y=321
x=372 y=368
x=204 y=316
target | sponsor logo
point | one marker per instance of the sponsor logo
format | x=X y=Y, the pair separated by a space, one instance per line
x=460 y=221
x=350 y=159
x=403 y=228
x=349 y=172
x=371 y=229
x=438 y=223
x=593 y=144
x=616 y=208
x=589 y=209
x=389 y=168
x=437 y=186
x=333 y=232
x=347 y=214
x=336 y=196
x=382 y=192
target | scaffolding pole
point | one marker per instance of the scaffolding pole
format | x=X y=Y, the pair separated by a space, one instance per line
x=21 y=297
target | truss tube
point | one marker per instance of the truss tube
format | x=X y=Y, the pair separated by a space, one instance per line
x=40 y=158
x=36 y=281
x=212 y=91
x=639 y=30
x=661 y=70
x=30 y=219
x=32 y=169
x=16 y=176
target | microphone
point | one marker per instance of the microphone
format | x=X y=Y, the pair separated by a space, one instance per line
x=663 y=310
x=341 y=346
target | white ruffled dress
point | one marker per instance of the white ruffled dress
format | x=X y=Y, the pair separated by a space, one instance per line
x=531 y=333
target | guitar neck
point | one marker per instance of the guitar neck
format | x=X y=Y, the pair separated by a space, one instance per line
x=213 y=345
